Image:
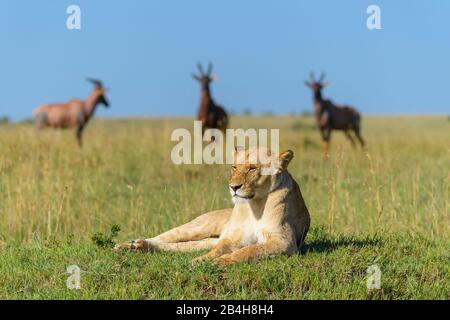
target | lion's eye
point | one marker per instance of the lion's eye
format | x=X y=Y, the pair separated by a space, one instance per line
x=252 y=169
x=233 y=168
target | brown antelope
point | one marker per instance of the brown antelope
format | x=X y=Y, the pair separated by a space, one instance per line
x=330 y=116
x=210 y=114
x=72 y=114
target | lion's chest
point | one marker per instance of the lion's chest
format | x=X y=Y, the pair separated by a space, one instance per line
x=252 y=233
x=245 y=229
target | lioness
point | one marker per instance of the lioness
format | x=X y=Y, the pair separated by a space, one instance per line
x=269 y=218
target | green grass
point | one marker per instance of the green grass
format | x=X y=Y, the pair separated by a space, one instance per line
x=388 y=206
x=329 y=267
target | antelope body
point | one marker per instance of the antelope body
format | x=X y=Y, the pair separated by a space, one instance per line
x=330 y=116
x=210 y=114
x=72 y=114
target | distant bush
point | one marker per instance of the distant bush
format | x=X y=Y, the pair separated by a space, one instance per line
x=247 y=111
x=268 y=113
x=26 y=121
x=306 y=113
x=4 y=120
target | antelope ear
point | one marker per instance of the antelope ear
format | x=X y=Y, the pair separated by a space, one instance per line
x=325 y=84
x=308 y=84
x=214 y=77
x=196 y=77
x=285 y=158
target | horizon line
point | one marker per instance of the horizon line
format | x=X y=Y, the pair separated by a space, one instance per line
x=261 y=114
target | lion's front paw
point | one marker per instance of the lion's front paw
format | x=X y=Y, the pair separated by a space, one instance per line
x=134 y=245
x=198 y=260
x=223 y=261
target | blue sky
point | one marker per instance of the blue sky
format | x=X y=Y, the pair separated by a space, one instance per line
x=262 y=52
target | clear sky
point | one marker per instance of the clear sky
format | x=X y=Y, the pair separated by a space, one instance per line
x=262 y=52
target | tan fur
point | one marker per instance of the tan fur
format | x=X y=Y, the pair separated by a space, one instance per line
x=71 y=114
x=65 y=115
x=269 y=218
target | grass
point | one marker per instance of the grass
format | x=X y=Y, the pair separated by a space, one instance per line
x=388 y=206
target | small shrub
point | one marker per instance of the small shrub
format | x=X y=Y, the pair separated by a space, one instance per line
x=106 y=241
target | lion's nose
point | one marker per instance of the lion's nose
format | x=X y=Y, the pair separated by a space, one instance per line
x=235 y=187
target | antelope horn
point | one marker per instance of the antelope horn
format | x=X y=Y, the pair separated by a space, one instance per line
x=322 y=77
x=200 y=69
x=210 y=66
x=98 y=84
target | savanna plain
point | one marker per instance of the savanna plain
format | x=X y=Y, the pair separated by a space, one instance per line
x=386 y=206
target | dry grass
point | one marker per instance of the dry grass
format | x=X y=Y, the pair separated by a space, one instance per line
x=48 y=188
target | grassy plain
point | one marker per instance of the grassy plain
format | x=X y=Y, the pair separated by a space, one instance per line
x=388 y=206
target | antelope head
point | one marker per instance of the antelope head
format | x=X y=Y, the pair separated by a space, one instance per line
x=204 y=78
x=100 y=92
x=316 y=85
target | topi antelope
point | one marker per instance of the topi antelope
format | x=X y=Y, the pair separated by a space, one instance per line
x=330 y=116
x=210 y=114
x=72 y=114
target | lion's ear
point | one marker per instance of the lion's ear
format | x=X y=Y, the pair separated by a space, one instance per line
x=237 y=153
x=285 y=158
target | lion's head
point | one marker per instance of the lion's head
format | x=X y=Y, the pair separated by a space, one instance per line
x=255 y=173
